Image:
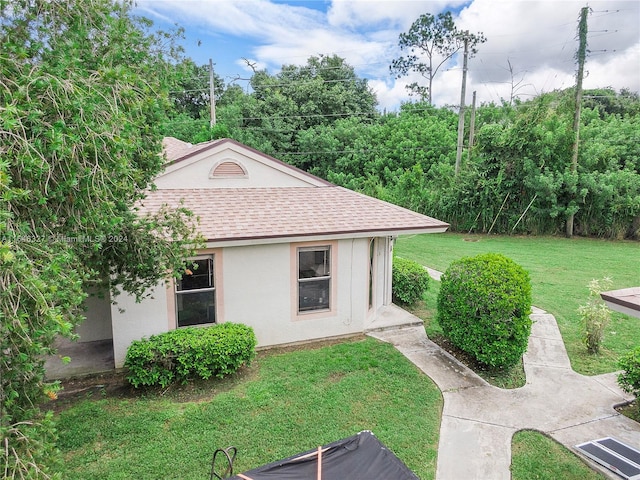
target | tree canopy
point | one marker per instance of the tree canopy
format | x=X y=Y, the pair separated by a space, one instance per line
x=431 y=42
x=83 y=88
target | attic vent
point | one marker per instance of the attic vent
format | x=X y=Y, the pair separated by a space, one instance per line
x=228 y=169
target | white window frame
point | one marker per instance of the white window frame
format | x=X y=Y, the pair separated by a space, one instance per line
x=212 y=288
x=327 y=277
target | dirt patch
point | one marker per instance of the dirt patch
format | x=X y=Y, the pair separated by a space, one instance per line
x=508 y=378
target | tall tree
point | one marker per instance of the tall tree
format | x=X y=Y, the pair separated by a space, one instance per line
x=83 y=86
x=321 y=92
x=431 y=42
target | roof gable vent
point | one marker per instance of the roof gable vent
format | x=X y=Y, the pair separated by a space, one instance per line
x=228 y=169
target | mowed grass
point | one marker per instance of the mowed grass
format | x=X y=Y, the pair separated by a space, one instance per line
x=560 y=271
x=292 y=402
x=538 y=457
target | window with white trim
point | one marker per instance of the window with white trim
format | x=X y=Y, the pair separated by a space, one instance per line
x=314 y=278
x=196 y=293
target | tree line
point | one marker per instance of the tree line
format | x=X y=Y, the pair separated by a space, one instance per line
x=515 y=178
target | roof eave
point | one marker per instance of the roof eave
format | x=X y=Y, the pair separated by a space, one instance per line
x=296 y=238
x=626 y=300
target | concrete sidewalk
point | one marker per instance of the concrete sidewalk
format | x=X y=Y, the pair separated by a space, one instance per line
x=478 y=420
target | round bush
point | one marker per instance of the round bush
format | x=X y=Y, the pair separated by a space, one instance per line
x=180 y=354
x=483 y=308
x=629 y=379
x=409 y=281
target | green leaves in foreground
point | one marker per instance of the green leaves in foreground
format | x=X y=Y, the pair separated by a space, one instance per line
x=629 y=379
x=84 y=86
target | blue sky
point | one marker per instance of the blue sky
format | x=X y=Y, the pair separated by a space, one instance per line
x=536 y=37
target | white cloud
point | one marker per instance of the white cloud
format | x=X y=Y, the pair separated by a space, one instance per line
x=538 y=37
x=252 y=18
x=401 y=14
x=620 y=71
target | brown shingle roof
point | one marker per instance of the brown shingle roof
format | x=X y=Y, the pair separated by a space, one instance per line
x=261 y=213
x=175 y=149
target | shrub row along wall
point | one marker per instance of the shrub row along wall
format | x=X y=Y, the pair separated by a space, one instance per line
x=180 y=354
x=410 y=281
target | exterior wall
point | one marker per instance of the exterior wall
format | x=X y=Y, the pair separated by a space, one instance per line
x=259 y=290
x=138 y=320
x=257 y=285
x=196 y=173
x=97 y=325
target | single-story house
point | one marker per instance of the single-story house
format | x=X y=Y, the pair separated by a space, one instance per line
x=291 y=255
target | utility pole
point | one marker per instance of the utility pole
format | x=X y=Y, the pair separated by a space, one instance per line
x=581 y=56
x=462 y=95
x=212 y=95
x=472 y=126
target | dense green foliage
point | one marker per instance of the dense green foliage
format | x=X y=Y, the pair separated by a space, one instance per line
x=282 y=107
x=410 y=281
x=83 y=86
x=629 y=379
x=516 y=178
x=283 y=404
x=483 y=308
x=186 y=353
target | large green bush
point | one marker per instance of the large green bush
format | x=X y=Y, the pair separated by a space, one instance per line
x=180 y=354
x=483 y=308
x=409 y=281
x=629 y=379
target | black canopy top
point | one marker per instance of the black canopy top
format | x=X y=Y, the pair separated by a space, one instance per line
x=360 y=457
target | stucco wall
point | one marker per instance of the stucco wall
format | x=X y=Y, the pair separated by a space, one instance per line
x=137 y=320
x=97 y=325
x=194 y=173
x=257 y=286
x=259 y=290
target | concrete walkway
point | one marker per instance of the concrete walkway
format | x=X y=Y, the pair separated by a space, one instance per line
x=478 y=420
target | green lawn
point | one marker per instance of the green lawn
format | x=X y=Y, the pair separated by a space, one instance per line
x=531 y=453
x=560 y=270
x=288 y=403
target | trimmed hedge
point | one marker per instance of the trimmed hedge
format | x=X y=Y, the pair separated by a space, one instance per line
x=409 y=281
x=483 y=308
x=184 y=353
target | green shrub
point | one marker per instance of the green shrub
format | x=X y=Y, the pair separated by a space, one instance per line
x=180 y=354
x=629 y=379
x=595 y=315
x=483 y=308
x=409 y=281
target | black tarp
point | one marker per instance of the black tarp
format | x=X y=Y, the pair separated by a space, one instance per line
x=360 y=457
